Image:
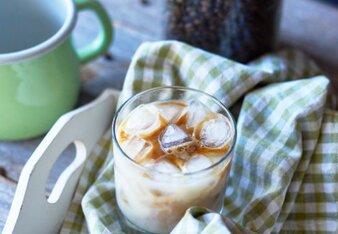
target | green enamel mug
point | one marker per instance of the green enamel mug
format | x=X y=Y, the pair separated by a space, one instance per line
x=39 y=66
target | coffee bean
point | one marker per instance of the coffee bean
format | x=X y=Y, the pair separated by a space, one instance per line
x=237 y=29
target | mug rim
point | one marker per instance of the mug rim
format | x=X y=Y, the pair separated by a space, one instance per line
x=48 y=45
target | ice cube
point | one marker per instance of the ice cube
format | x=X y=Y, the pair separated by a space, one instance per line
x=175 y=160
x=173 y=138
x=165 y=166
x=215 y=132
x=197 y=112
x=196 y=163
x=142 y=121
x=171 y=111
x=137 y=148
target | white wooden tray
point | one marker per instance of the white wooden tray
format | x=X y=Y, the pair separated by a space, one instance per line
x=31 y=212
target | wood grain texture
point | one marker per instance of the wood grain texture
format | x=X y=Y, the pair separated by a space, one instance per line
x=306 y=24
x=7 y=190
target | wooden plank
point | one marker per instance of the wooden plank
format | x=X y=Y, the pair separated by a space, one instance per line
x=14 y=156
x=7 y=190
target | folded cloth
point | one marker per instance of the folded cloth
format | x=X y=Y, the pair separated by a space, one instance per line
x=284 y=174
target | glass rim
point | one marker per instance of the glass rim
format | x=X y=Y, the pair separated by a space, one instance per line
x=232 y=121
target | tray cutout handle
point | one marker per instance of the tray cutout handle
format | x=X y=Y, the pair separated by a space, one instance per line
x=61 y=183
x=31 y=211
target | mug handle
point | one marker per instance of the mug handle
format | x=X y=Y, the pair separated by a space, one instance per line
x=102 y=41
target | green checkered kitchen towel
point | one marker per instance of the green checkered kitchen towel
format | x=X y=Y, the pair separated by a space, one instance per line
x=284 y=175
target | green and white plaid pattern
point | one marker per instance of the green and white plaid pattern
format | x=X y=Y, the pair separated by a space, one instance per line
x=284 y=175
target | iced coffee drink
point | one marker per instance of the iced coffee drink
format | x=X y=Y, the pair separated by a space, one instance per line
x=173 y=148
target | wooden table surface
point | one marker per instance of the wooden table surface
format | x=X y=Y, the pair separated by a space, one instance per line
x=306 y=24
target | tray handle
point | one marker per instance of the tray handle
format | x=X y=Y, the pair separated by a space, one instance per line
x=31 y=211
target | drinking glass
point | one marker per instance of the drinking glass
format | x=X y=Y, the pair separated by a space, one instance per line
x=153 y=201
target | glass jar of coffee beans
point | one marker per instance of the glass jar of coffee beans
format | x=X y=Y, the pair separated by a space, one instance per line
x=238 y=29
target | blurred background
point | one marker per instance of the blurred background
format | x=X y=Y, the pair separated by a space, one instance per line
x=331 y=1
x=309 y=25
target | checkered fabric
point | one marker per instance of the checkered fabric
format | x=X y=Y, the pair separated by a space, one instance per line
x=284 y=174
